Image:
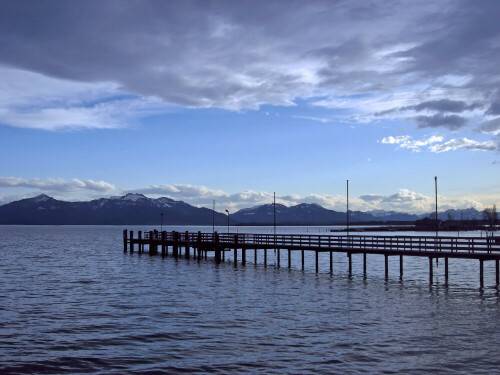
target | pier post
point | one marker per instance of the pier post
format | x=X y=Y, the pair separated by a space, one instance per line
x=163 y=246
x=349 y=255
x=217 y=248
x=139 y=237
x=150 y=244
x=386 y=266
x=255 y=256
x=175 y=248
x=430 y=271
x=131 y=241
x=317 y=261
x=302 y=251
x=278 y=250
x=400 y=266
x=265 y=257
x=446 y=270
x=243 y=256
x=331 y=261
x=197 y=252
x=289 y=258
x=481 y=269
x=235 y=249
x=124 y=240
x=364 y=265
x=497 y=268
x=224 y=252
x=187 y=255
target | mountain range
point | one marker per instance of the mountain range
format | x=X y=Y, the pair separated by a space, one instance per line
x=137 y=209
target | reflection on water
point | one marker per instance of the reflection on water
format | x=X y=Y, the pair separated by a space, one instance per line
x=72 y=302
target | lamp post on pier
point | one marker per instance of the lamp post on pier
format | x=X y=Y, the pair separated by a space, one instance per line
x=161 y=222
x=227 y=221
x=436 y=193
x=347 y=207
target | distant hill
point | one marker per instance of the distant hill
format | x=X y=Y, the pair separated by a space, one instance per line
x=136 y=209
x=130 y=209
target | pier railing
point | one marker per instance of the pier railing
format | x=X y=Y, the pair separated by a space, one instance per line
x=469 y=245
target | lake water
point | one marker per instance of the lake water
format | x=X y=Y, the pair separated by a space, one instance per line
x=72 y=302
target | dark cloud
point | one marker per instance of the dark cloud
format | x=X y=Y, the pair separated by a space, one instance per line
x=451 y=122
x=491 y=126
x=242 y=54
x=443 y=105
x=371 y=198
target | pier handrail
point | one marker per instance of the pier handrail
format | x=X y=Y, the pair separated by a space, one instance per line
x=360 y=242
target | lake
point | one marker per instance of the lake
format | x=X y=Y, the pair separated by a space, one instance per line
x=73 y=302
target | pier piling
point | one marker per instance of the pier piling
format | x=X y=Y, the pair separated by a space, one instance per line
x=386 y=266
x=124 y=240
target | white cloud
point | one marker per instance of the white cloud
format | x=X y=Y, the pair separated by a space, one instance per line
x=56 y=184
x=464 y=144
x=32 y=100
x=404 y=200
x=405 y=141
x=312 y=118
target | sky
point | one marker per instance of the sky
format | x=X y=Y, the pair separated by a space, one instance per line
x=236 y=100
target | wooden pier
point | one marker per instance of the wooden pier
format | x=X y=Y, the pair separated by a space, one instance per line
x=198 y=245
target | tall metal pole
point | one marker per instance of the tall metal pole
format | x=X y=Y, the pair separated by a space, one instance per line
x=436 y=193
x=347 y=207
x=161 y=222
x=227 y=221
x=274 y=216
x=213 y=217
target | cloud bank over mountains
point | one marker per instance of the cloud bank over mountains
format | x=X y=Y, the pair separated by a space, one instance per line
x=433 y=65
x=404 y=200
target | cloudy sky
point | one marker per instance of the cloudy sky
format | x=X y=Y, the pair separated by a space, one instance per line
x=233 y=100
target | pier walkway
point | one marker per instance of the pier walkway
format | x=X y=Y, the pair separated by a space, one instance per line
x=479 y=248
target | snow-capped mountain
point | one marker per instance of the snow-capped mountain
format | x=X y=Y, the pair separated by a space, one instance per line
x=127 y=209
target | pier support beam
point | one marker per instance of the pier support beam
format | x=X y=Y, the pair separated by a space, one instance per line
x=163 y=246
x=187 y=252
x=131 y=241
x=124 y=240
x=331 y=261
x=446 y=270
x=217 y=248
x=265 y=257
x=175 y=248
x=243 y=256
x=302 y=251
x=317 y=261
x=401 y=267
x=255 y=256
x=364 y=265
x=481 y=273
x=386 y=266
x=235 y=250
x=289 y=258
x=349 y=255
x=431 y=275
x=278 y=250
x=151 y=246
x=139 y=236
